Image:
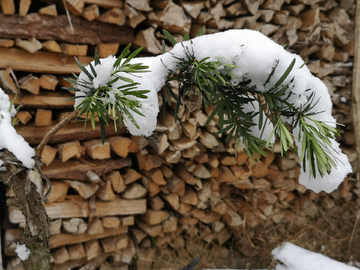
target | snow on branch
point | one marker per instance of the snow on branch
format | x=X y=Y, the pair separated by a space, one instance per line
x=9 y=139
x=236 y=70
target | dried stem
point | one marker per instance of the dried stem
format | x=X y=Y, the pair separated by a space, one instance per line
x=55 y=129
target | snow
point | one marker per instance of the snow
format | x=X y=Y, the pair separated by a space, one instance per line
x=296 y=258
x=254 y=56
x=9 y=139
x=22 y=251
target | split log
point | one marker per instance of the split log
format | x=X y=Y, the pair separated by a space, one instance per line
x=48 y=82
x=60 y=255
x=153 y=217
x=49 y=10
x=133 y=16
x=71 y=209
x=155 y=175
x=44 y=100
x=84 y=189
x=69 y=150
x=111 y=222
x=134 y=191
x=75 y=226
x=152 y=230
x=76 y=252
x=52 y=46
x=122 y=241
x=117 y=182
x=24 y=117
x=43 y=117
x=127 y=221
x=7 y=82
x=119 y=145
x=130 y=176
x=74 y=50
x=96 y=150
x=58 y=191
x=108 y=244
x=74 y=6
x=55 y=226
x=105 y=192
x=151 y=186
x=91 y=12
x=146 y=39
x=95 y=227
x=113 y=16
x=6 y=43
x=30 y=83
x=92 y=249
x=32 y=45
x=106 y=50
x=24 y=7
x=155 y=203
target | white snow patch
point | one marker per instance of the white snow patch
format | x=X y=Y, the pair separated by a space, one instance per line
x=22 y=251
x=9 y=139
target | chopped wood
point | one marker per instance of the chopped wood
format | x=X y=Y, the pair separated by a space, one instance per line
x=128 y=221
x=119 y=145
x=185 y=175
x=170 y=224
x=241 y=172
x=285 y=163
x=111 y=222
x=226 y=175
x=91 y=12
x=55 y=226
x=43 y=100
x=121 y=241
x=73 y=208
x=155 y=175
x=133 y=17
x=199 y=170
x=75 y=225
x=108 y=244
x=43 y=117
x=104 y=50
x=8 y=7
x=105 y=192
x=76 y=7
x=7 y=82
x=310 y=19
x=32 y=45
x=24 y=7
x=52 y=46
x=193 y=9
x=189 y=197
x=163 y=143
x=6 y=43
x=61 y=255
x=117 y=182
x=96 y=150
x=92 y=249
x=74 y=50
x=76 y=252
x=95 y=227
x=134 y=191
x=138 y=143
x=138 y=235
x=58 y=191
x=146 y=38
x=189 y=128
x=142 y=5
x=24 y=117
x=258 y=169
x=155 y=203
x=48 y=82
x=49 y=10
x=152 y=230
x=84 y=189
x=148 y=161
x=208 y=140
x=183 y=143
x=153 y=217
x=172 y=156
x=232 y=218
x=113 y=16
x=175 y=184
x=172 y=199
x=151 y=186
x=130 y=176
x=30 y=83
x=69 y=150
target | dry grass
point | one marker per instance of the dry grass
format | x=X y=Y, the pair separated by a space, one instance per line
x=334 y=233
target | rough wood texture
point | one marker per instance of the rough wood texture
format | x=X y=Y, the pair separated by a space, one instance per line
x=56 y=28
x=71 y=209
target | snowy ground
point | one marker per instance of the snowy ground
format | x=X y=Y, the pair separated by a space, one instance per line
x=292 y=257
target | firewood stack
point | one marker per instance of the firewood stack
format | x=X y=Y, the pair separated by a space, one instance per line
x=136 y=195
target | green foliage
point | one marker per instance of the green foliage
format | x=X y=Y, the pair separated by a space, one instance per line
x=212 y=81
x=110 y=102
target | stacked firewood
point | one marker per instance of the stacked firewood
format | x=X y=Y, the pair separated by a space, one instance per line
x=135 y=195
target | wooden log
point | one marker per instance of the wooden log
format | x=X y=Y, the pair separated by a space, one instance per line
x=138 y=235
x=189 y=197
x=91 y=12
x=155 y=175
x=138 y=143
x=185 y=175
x=117 y=182
x=92 y=249
x=155 y=203
x=69 y=150
x=7 y=82
x=172 y=157
x=31 y=45
x=55 y=226
x=152 y=230
x=48 y=81
x=60 y=255
x=133 y=16
x=106 y=50
x=148 y=162
x=74 y=50
x=108 y=244
x=127 y=221
x=49 y=10
x=24 y=7
x=121 y=241
x=309 y=19
x=58 y=191
x=111 y=222
x=43 y=117
x=52 y=46
x=76 y=252
x=232 y=218
x=134 y=191
x=130 y=176
x=71 y=209
x=172 y=199
x=153 y=217
x=44 y=100
x=96 y=150
x=146 y=39
x=84 y=189
x=119 y=145
x=151 y=186
x=105 y=192
x=95 y=227
x=199 y=171
x=75 y=226
x=24 y=117
x=113 y=16
x=175 y=184
x=6 y=43
x=30 y=83
x=8 y=7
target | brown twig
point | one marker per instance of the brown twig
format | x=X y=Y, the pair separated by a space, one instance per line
x=55 y=129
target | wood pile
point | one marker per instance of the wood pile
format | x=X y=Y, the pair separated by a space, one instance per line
x=137 y=195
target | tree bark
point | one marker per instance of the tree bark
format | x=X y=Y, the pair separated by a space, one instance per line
x=57 y=28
